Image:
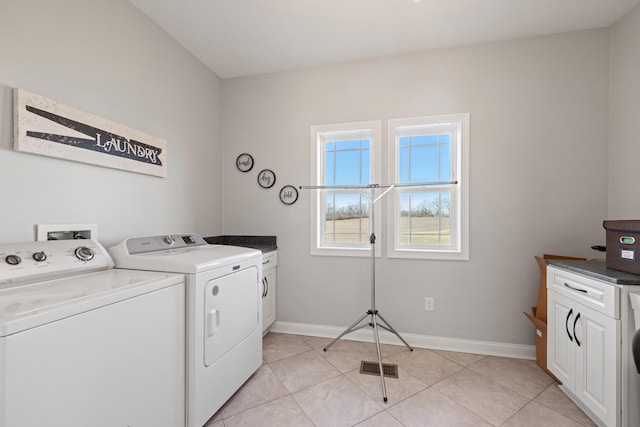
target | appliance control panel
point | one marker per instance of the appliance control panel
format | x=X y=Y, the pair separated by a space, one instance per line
x=139 y=245
x=29 y=262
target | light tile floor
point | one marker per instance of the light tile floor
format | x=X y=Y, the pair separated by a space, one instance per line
x=299 y=384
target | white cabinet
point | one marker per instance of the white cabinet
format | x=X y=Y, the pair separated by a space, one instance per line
x=583 y=342
x=269 y=286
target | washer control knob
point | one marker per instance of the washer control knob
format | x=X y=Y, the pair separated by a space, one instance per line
x=39 y=256
x=13 y=259
x=84 y=253
x=169 y=240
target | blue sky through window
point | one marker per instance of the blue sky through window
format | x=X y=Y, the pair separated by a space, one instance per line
x=347 y=162
x=422 y=158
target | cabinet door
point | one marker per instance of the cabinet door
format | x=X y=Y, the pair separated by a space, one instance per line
x=596 y=338
x=268 y=298
x=560 y=341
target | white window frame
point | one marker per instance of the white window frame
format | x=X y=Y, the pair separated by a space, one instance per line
x=372 y=129
x=459 y=195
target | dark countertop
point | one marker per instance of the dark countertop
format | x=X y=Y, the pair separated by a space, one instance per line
x=262 y=243
x=597 y=269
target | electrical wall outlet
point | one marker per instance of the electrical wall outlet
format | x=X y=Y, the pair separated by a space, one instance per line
x=429 y=303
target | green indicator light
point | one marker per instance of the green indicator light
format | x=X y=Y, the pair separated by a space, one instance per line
x=628 y=240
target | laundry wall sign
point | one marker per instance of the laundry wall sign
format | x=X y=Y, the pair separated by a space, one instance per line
x=50 y=128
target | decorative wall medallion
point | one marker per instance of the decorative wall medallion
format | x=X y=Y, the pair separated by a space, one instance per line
x=50 y=128
x=288 y=194
x=244 y=162
x=266 y=178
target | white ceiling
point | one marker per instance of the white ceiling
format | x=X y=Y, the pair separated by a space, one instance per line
x=248 y=37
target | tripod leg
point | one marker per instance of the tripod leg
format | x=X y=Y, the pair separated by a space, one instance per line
x=389 y=328
x=375 y=330
x=346 y=331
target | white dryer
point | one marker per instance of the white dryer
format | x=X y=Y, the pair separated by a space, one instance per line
x=224 y=312
x=83 y=344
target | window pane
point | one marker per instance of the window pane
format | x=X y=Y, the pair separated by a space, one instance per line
x=341 y=205
x=355 y=231
x=403 y=165
x=329 y=173
x=424 y=218
x=445 y=162
x=424 y=164
x=426 y=139
x=348 y=145
x=347 y=167
x=424 y=158
x=347 y=218
x=347 y=162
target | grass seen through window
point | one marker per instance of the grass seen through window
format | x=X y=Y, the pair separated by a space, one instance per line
x=423 y=230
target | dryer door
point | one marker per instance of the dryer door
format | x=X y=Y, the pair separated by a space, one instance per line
x=231 y=312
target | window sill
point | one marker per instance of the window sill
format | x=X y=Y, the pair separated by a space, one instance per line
x=345 y=252
x=423 y=254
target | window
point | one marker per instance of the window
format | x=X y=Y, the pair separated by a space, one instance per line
x=429 y=221
x=344 y=155
x=427 y=212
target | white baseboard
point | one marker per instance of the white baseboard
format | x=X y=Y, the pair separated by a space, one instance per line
x=517 y=351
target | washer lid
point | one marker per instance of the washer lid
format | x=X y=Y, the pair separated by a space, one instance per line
x=27 y=306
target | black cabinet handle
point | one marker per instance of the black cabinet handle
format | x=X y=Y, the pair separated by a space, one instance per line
x=266 y=292
x=574 y=329
x=566 y=324
x=264 y=287
x=575 y=289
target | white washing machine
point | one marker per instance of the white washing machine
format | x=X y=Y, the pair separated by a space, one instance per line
x=224 y=312
x=83 y=344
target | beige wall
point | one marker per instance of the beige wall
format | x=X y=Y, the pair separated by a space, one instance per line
x=624 y=144
x=539 y=126
x=106 y=58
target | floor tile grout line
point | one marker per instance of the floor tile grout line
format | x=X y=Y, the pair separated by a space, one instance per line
x=364 y=391
x=555 y=384
x=301 y=409
x=529 y=399
x=385 y=408
x=485 y=377
x=258 y=405
x=320 y=351
x=488 y=378
x=288 y=357
x=385 y=405
x=310 y=385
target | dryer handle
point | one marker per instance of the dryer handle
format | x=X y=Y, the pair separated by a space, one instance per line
x=213 y=321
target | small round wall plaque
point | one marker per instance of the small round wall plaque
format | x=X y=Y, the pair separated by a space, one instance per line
x=244 y=162
x=288 y=194
x=266 y=178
